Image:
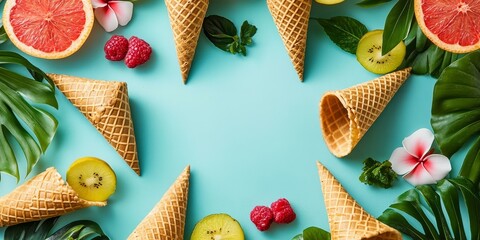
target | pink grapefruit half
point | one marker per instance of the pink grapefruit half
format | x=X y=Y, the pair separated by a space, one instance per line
x=453 y=25
x=49 y=29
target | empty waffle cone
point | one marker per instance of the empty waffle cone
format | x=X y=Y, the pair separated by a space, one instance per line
x=346 y=115
x=347 y=219
x=291 y=18
x=105 y=104
x=186 y=19
x=44 y=196
x=167 y=219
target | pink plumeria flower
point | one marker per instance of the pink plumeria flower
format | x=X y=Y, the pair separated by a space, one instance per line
x=416 y=162
x=110 y=13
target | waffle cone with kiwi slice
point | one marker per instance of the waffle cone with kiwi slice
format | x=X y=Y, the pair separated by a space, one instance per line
x=44 y=196
x=106 y=105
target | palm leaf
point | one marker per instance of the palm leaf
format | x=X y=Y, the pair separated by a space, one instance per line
x=444 y=202
x=21 y=117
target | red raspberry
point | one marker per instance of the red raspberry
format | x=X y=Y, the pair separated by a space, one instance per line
x=282 y=211
x=116 y=48
x=262 y=217
x=138 y=53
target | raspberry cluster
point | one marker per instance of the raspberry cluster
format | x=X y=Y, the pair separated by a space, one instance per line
x=279 y=211
x=134 y=51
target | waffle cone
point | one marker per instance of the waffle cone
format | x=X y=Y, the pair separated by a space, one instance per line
x=291 y=18
x=44 y=196
x=106 y=106
x=346 y=115
x=186 y=19
x=167 y=219
x=347 y=219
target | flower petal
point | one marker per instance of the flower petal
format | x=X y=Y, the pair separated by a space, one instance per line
x=402 y=161
x=419 y=143
x=107 y=18
x=437 y=165
x=123 y=10
x=419 y=176
x=99 y=3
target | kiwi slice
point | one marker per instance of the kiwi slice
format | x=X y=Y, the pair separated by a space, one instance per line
x=217 y=227
x=92 y=178
x=369 y=53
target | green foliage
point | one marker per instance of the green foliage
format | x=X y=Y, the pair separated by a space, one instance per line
x=422 y=55
x=345 y=32
x=426 y=201
x=455 y=111
x=39 y=230
x=313 y=233
x=21 y=115
x=371 y=3
x=397 y=25
x=377 y=173
x=223 y=34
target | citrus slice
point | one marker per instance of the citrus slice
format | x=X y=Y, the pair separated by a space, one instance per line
x=451 y=25
x=49 y=29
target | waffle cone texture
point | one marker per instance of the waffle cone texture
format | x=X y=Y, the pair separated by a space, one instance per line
x=44 y=196
x=346 y=115
x=106 y=105
x=167 y=219
x=186 y=19
x=291 y=18
x=347 y=219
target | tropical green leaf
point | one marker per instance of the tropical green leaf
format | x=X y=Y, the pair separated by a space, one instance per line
x=456 y=109
x=451 y=200
x=371 y=3
x=40 y=230
x=345 y=32
x=397 y=25
x=79 y=230
x=440 y=201
x=22 y=114
x=31 y=230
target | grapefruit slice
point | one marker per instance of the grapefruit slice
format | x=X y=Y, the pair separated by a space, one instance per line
x=451 y=25
x=49 y=29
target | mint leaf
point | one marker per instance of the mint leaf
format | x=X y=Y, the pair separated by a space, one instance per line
x=315 y=233
x=247 y=32
x=220 y=31
x=377 y=174
x=397 y=25
x=345 y=32
x=223 y=34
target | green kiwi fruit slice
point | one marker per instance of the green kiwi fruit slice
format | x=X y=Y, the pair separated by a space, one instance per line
x=217 y=227
x=92 y=178
x=369 y=53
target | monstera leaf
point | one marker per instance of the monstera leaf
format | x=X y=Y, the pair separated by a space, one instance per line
x=21 y=117
x=456 y=110
x=437 y=210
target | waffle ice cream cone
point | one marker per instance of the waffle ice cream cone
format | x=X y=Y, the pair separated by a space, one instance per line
x=346 y=115
x=167 y=219
x=44 y=196
x=186 y=19
x=106 y=106
x=291 y=18
x=347 y=219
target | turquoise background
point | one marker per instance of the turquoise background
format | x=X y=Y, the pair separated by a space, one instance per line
x=246 y=125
